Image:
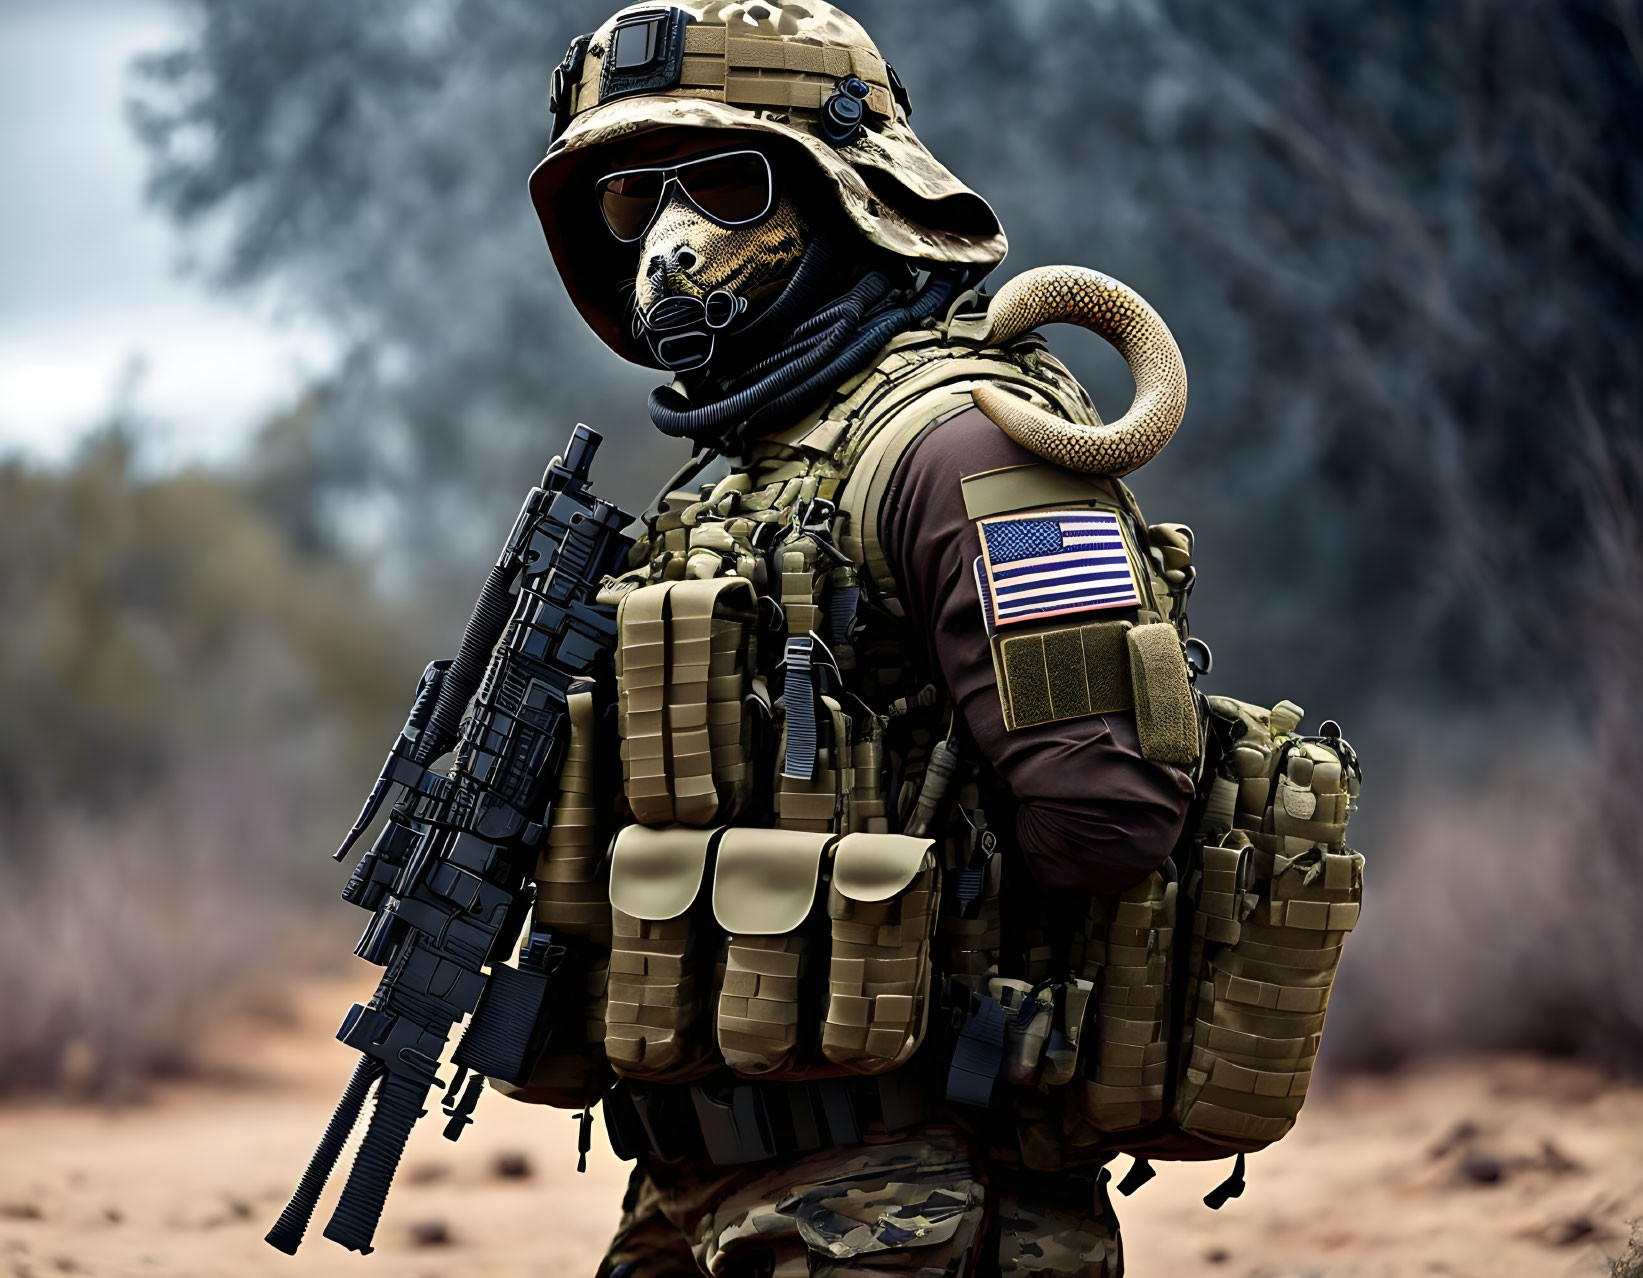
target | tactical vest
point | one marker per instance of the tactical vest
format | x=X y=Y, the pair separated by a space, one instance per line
x=801 y=874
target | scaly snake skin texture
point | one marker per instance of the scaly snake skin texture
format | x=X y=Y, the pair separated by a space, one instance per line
x=1077 y=295
x=748 y=260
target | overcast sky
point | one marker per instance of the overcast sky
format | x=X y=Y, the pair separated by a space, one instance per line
x=87 y=274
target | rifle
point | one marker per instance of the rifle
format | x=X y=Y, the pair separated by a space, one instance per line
x=449 y=879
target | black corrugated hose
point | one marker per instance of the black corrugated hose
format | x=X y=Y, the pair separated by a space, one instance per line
x=833 y=345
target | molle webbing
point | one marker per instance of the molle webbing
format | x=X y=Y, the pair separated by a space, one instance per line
x=757 y=71
x=1129 y=945
x=1100 y=668
x=659 y=967
x=1064 y=673
x=764 y=891
x=682 y=663
x=1269 y=935
x=571 y=893
x=882 y=909
x=572 y=887
x=766 y=921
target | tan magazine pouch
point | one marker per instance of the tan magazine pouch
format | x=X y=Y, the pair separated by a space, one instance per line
x=765 y=889
x=662 y=953
x=572 y=895
x=1271 y=930
x=1126 y=1056
x=683 y=661
x=573 y=899
x=1275 y=898
x=882 y=909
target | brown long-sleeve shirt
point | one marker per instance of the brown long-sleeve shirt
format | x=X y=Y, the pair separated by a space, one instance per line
x=1094 y=815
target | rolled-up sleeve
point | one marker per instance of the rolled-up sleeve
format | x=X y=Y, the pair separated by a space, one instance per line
x=1094 y=815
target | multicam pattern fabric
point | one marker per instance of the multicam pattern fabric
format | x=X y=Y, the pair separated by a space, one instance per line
x=913 y=1206
x=1053 y=1226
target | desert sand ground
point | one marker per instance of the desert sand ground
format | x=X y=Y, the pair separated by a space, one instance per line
x=1495 y=1166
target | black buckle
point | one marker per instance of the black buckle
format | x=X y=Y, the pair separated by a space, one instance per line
x=567 y=73
x=736 y=1125
x=898 y=91
x=816 y=517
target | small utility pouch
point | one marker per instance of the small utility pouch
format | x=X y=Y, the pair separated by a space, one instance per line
x=663 y=949
x=814 y=764
x=1073 y=1003
x=1126 y=1056
x=1269 y=935
x=882 y=912
x=1027 y=1022
x=684 y=656
x=1166 y=713
x=1312 y=796
x=765 y=892
x=573 y=907
x=572 y=891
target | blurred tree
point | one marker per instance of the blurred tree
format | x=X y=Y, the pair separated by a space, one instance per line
x=156 y=624
x=1399 y=244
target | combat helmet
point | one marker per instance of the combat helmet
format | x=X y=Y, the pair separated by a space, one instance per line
x=799 y=70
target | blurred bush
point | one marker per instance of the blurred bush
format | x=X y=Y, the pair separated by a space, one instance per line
x=188 y=707
x=1506 y=907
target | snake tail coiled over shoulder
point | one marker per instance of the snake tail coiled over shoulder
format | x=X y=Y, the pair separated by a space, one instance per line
x=1089 y=299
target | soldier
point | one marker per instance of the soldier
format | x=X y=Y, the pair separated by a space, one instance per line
x=906 y=730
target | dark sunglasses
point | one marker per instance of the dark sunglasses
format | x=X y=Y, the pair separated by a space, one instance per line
x=732 y=189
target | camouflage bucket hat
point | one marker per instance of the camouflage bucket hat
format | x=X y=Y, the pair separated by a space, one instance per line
x=771 y=67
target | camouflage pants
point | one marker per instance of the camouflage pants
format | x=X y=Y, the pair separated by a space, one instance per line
x=920 y=1205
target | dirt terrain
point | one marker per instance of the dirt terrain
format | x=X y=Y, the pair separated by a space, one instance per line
x=1498 y=1166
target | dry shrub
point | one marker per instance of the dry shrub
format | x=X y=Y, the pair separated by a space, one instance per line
x=1508 y=912
x=125 y=935
x=189 y=712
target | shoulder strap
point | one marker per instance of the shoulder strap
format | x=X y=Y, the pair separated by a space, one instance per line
x=904 y=409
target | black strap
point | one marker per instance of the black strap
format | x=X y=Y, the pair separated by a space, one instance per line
x=753 y=1122
x=1139 y=1174
x=460 y=1111
x=978 y=1055
x=584 y=1138
x=1231 y=1187
x=799 y=700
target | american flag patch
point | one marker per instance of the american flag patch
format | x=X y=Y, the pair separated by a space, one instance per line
x=1049 y=563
